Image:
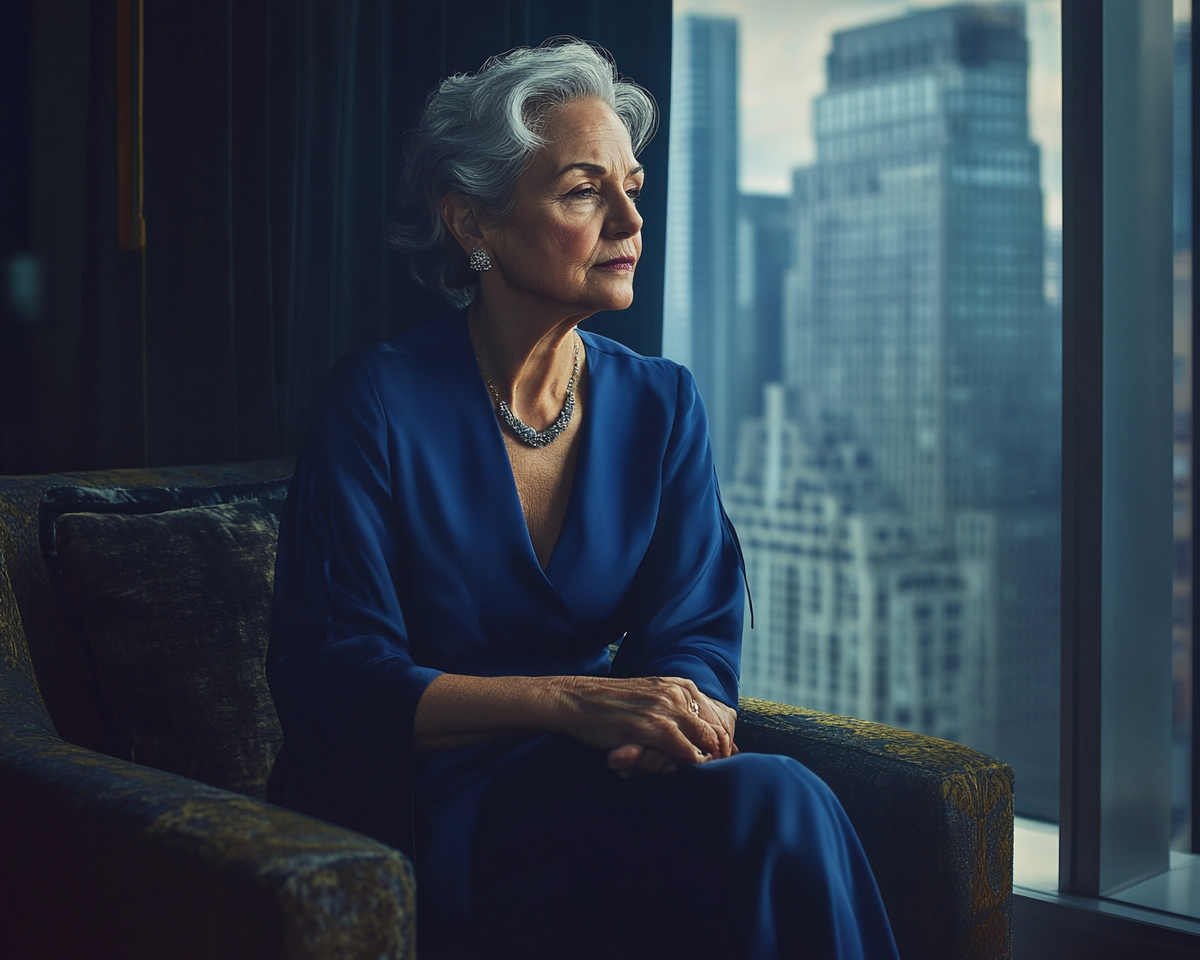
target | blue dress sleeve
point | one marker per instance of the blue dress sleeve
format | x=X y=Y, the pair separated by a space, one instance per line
x=339 y=667
x=687 y=597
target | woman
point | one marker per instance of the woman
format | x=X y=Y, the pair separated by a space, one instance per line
x=489 y=502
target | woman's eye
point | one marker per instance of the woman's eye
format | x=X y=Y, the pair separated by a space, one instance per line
x=584 y=192
x=635 y=194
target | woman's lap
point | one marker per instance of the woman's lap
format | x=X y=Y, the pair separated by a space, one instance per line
x=746 y=857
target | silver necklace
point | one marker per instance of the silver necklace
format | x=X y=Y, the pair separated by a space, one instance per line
x=526 y=433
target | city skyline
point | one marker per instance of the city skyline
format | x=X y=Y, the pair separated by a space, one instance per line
x=999 y=358
x=789 y=40
x=858 y=614
x=916 y=319
x=912 y=346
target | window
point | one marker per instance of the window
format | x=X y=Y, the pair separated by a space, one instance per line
x=863 y=224
x=1126 y=799
x=895 y=353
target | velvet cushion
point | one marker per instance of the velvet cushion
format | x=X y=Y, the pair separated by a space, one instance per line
x=175 y=606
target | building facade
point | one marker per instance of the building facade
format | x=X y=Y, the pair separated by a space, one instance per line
x=916 y=313
x=764 y=253
x=699 y=316
x=855 y=612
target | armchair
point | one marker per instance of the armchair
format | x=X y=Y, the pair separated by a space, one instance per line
x=103 y=856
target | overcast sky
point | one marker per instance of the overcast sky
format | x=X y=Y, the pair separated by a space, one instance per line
x=782 y=51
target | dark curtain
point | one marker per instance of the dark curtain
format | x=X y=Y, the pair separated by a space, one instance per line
x=272 y=136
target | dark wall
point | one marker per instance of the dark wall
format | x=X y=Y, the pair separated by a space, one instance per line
x=272 y=134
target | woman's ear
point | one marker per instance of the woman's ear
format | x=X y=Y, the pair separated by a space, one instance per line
x=462 y=222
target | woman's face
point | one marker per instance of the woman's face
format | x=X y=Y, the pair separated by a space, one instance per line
x=573 y=237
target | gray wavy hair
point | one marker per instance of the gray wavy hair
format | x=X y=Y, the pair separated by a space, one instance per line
x=477 y=135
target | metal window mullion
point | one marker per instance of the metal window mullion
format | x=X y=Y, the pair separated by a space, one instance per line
x=1195 y=592
x=1082 y=443
x=1117 y=413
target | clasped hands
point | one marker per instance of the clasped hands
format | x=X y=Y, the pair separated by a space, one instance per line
x=649 y=724
x=646 y=724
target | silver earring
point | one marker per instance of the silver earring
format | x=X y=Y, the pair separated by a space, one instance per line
x=479 y=260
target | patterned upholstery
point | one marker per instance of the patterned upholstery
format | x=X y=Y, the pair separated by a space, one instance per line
x=175 y=607
x=935 y=819
x=104 y=857
x=107 y=858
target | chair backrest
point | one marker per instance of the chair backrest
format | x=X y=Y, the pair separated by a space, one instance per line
x=51 y=643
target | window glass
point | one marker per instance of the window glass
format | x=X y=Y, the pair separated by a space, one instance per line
x=864 y=243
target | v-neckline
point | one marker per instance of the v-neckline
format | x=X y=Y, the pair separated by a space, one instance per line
x=560 y=505
x=570 y=522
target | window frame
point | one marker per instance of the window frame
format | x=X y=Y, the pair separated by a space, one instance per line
x=1114 y=826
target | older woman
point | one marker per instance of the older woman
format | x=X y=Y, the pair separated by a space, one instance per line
x=485 y=506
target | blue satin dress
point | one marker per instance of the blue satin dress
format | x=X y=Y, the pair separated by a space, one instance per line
x=403 y=553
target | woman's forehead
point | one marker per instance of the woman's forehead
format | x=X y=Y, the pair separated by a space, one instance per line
x=586 y=133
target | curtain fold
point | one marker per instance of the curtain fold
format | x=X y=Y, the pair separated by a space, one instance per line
x=272 y=137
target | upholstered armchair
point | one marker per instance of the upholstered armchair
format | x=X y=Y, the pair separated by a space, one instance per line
x=137 y=736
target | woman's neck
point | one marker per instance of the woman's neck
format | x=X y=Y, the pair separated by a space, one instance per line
x=528 y=360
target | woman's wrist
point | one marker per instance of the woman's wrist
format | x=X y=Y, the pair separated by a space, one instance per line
x=541 y=704
x=458 y=710
x=565 y=699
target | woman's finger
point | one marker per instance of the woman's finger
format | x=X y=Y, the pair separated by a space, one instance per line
x=625 y=757
x=649 y=760
x=691 y=713
x=654 y=761
x=708 y=727
x=654 y=712
x=726 y=718
x=684 y=740
x=723 y=719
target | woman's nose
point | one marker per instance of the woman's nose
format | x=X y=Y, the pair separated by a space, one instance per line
x=625 y=220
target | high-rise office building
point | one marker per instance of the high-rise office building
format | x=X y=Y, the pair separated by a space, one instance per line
x=855 y=613
x=916 y=311
x=699 y=316
x=917 y=298
x=1053 y=283
x=764 y=253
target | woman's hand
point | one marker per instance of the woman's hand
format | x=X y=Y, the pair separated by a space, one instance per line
x=634 y=758
x=648 y=725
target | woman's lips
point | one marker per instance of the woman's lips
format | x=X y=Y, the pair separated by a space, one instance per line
x=619 y=263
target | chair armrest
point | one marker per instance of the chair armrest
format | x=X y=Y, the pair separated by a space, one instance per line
x=105 y=858
x=935 y=819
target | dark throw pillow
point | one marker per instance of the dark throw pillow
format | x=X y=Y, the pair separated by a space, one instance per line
x=175 y=606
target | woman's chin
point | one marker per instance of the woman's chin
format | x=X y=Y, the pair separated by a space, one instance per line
x=622 y=303
x=617 y=297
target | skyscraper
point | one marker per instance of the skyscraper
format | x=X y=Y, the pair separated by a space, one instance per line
x=764 y=242
x=916 y=311
x=855 y=614
x=699 y=318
